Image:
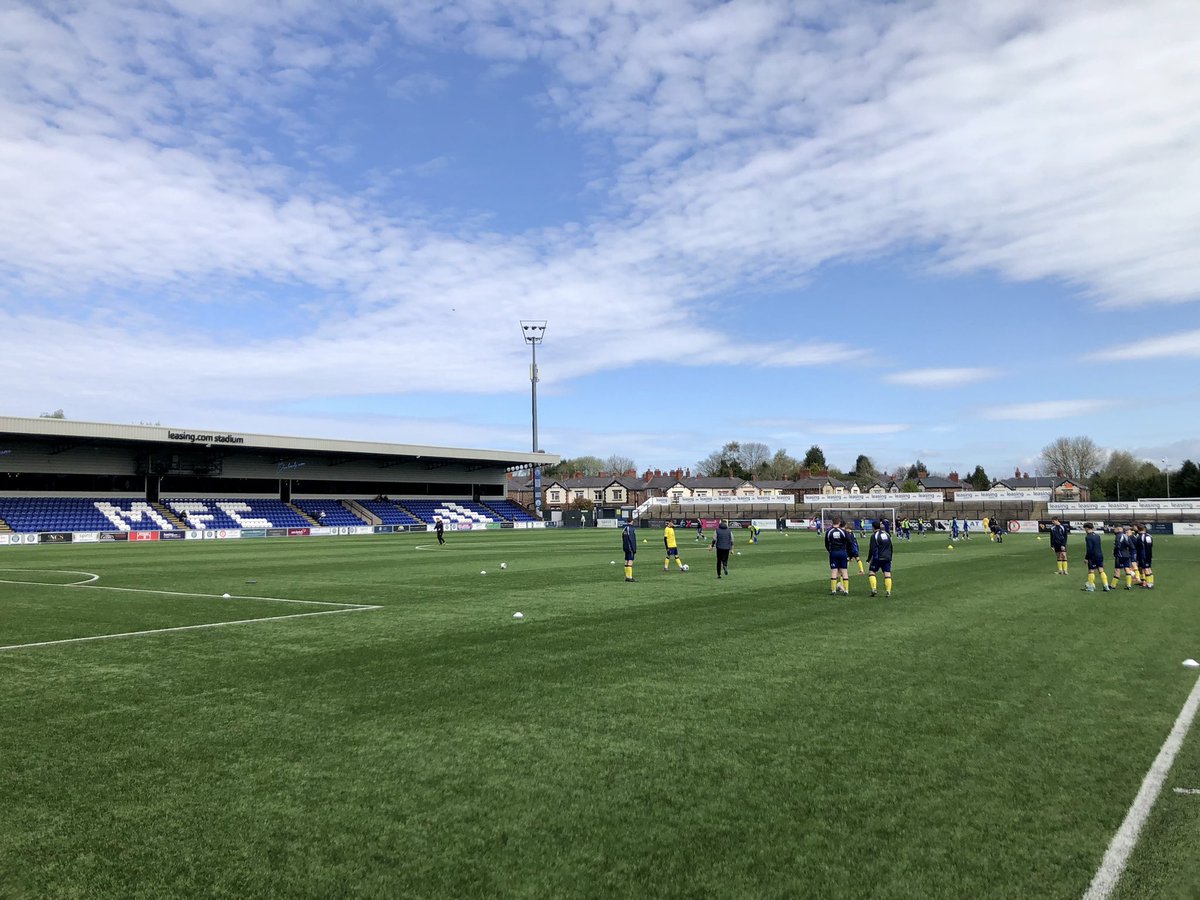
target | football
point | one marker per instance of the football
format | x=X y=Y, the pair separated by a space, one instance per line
x=685 y=567
x=504 y=565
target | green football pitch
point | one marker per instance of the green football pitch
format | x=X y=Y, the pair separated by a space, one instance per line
x=982 y=734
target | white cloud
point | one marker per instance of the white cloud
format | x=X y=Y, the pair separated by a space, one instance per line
x=940 y=378
x=1047 y=409
x=1184 y=345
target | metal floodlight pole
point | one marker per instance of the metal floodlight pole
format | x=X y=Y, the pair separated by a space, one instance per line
x=534 y=331
x=1167 y=472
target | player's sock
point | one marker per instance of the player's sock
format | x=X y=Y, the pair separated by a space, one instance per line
x=887 y=583
x=1091 y=579
x=833 y=585
x=874 y=582
x=1128 y=581
x=629 y=571
x=1113 y=583
x=679 y=562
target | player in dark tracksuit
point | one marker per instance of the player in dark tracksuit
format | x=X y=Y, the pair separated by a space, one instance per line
x=440 y=528
x=722 y=542
x=879 y=557
x=1093 y=555
x=837 y=542
x=629 y=545
x=1146 y=556
x=853 y=551
x=1058 y=543
x=1122 y=558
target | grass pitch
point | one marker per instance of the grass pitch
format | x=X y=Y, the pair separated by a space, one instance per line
x=982 y=734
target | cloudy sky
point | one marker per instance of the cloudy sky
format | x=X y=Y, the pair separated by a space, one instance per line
x=949 y=230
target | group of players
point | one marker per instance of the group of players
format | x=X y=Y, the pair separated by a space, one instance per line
x=1133 y=555
x=842 y=545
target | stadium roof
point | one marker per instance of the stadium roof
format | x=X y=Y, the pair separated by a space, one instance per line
x=71 y=429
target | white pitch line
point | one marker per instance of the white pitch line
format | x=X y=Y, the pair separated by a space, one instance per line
x=125 y=634
x=1123 y=842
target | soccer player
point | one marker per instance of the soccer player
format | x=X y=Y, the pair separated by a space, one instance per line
x=837 y=542
x=879 y=555
x=700 y=529
x=672 y=548
x=723 y=542
x=954 y=529
x=1093 y=555
x=966 y=529
x=1058 y=543
x=984 y=523
x=629 y=544
x=754 y=530
x=440 y=527
x=1146 y=556
x=1122 y=558
x=853 y=552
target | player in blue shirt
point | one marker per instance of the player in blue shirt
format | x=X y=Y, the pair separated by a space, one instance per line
x=1093 y=555
x=837 y=542
x=954 y=529
x=879 y=556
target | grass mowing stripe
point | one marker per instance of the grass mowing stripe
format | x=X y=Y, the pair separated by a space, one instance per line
x=1126 y=837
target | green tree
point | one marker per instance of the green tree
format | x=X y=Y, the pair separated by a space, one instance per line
x=864 y=467
x=909 y=487
x=814 y=459
x=979 y=479
x=584 y=465
x=1186 y=482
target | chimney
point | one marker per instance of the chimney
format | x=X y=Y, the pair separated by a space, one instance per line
x=954 y=476
x=806 y=473
x=689 y=472
x=824 y=473
x=1026 y=475
x=658 y=473
x=921 y=473
x=1017 y=473
x=632 y=473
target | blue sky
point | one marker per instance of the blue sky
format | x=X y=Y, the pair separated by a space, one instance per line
x=946 y=230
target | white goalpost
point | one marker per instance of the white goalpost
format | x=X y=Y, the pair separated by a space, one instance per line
x=860 y=518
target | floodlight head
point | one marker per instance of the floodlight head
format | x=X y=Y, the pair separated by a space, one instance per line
x=533 y=330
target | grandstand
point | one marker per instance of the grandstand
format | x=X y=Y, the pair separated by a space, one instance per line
x=62 y=477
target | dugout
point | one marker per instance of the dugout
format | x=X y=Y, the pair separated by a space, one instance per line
x=48 y=457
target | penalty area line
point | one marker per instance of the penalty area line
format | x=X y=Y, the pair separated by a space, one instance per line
x=127 y=634
x=1123 y=842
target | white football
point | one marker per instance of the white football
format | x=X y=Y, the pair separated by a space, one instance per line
x=504 y=565
x=685 y=567
x=226 y=596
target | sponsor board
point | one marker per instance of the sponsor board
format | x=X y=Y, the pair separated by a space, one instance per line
x=383 y=529
x=107 y=536
x=463 y=526
x=875 y=499
x=171 y=536
x=361 y=529
x=763 y=523
x=55 y=537
x=254 y=532
x=225 y=534
x=299 y=532
x=1001 y=496
x=6 y=539
x=86 y=537
x=600 y=523
x=143 y=536
x=1016 y=526
x=1192 y=528
x=282 y=532
x=194 y=535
